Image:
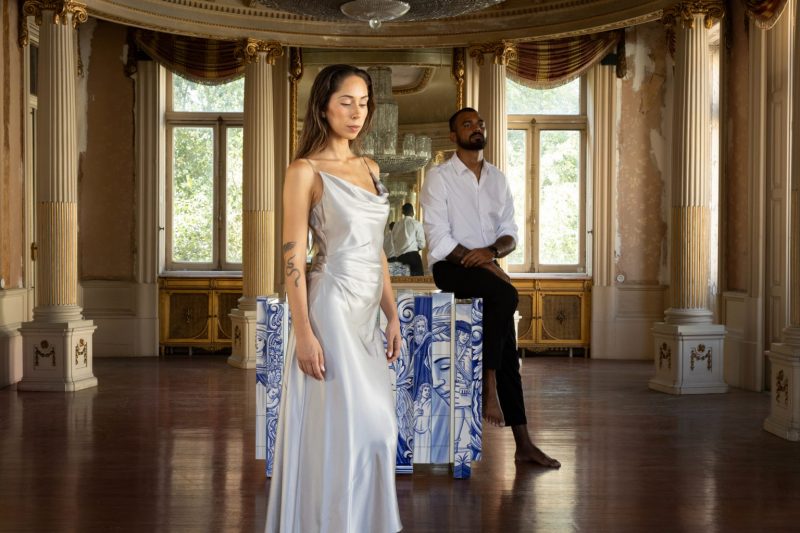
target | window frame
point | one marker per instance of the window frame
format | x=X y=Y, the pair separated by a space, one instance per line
x=534 y=125
x=220 y=123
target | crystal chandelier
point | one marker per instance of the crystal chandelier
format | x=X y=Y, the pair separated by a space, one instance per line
x=381 y=142
x=377 y=11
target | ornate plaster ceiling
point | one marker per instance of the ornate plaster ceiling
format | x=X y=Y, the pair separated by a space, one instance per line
x=511 y=20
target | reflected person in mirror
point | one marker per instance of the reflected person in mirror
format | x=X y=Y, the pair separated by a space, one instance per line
x=469 y=224
x=408 y=238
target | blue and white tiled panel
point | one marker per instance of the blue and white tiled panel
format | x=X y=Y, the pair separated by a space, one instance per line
x=468 y=385
x=272 y=333
x=431 y=357
x=402 y=372
x=396 y=268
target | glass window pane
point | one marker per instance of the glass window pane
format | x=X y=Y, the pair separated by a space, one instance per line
x=233 y=195
x=517 y=171
x=559 y=197
x=562 y=100
x=190 y=96
x=192 y=195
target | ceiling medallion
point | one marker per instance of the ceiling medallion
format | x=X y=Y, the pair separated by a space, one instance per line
x=375 y=12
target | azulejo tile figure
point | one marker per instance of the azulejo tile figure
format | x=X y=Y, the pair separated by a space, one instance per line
x=403 y=379
x=272 y=327
x=441 y=367
x=467 y=388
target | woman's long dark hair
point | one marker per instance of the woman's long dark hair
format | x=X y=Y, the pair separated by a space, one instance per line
x=315 y=127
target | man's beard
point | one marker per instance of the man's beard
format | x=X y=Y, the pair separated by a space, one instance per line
x=475 y=142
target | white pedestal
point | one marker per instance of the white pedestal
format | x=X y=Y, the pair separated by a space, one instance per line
x=57 y=356
x=784 y=410
x=689 y=358
x=243 y=344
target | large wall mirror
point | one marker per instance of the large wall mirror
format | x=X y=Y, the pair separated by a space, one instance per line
x=427 y=88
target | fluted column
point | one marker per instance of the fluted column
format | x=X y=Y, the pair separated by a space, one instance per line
x=602 y=115
x=150 y=164
x=784 y=416
x=492 y=61
x=258 y=196
x=687 y=333
x=58 y=330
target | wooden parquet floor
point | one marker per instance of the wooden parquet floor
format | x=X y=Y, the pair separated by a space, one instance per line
x=167 y=444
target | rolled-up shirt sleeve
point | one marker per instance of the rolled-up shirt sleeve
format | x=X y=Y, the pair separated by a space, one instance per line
x=433 y=199
x=508 y=225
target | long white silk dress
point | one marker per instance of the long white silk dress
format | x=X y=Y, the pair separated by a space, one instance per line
x=336 y=441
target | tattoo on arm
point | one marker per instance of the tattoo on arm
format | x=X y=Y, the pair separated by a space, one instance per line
x=457 y=254
x=291 y=270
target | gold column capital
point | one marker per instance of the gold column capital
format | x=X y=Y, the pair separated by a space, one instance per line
x=60 y=9
x=251 y=50
x=503 y=52
x=686 y=10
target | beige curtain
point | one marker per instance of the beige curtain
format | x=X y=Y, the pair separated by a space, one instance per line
x=554 y=62
x=201 y=60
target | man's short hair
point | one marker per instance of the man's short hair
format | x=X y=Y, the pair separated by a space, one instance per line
x=408 y=210
x=455 y=116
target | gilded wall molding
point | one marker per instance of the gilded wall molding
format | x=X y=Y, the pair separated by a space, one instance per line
x=251 y=50
x=295 y=74
x=459 y=73
x=502 y=52
x=418 y=86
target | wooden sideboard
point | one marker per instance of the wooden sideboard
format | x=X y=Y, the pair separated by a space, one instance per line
x=554 y=313
x=193 y=312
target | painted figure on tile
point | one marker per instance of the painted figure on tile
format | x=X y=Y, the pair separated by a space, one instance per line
x=463 y=385
x=422 y=424
x=421 y=352
x=440 y=409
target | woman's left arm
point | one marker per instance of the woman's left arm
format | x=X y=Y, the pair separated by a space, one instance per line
x=389 y=308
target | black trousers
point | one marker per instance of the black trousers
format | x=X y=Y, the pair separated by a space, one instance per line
x=413 y=260
x=499 y=340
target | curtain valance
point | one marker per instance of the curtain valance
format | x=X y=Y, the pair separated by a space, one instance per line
x=201 y=60
x=554 y=62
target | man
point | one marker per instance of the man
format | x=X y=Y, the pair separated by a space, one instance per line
x=408 y=238
x=469 y=222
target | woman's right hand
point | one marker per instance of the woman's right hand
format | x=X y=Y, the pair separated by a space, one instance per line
x=309 y=356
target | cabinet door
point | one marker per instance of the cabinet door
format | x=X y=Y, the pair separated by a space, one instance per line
x=561 y=317
x=188 y=316
x=224 y=302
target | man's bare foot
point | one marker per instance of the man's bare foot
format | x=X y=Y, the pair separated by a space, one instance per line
x=491 y=402
x=527 y=452
x=535 y=455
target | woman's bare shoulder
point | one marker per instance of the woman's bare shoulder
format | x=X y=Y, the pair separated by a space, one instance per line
x=373 y=166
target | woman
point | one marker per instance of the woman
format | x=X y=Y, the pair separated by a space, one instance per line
x=337 y=434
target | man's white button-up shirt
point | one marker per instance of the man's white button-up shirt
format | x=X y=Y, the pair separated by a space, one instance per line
x=460 y=209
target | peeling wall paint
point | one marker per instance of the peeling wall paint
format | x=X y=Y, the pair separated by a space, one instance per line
x=644 y=156
x=107 y=186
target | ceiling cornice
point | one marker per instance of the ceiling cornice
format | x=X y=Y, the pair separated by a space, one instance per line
x=511 y=20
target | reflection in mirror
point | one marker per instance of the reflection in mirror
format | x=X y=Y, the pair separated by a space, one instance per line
x=416 y=92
